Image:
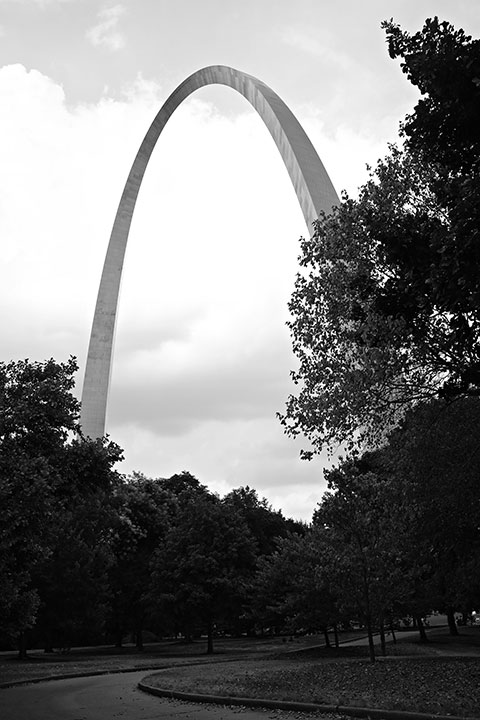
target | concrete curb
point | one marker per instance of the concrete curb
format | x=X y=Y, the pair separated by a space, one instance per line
x=71 y=676
x=356 y=712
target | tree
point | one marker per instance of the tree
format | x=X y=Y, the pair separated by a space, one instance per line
x=289 y=590
x=360 y=532
x=203 y=567
x=37 y=411
x=386 y=308
x=265 y=524
x=444 y=64
x=55 y=492
x=72 y=582
x=433 y=457
x=443 y=132
x=145 y=511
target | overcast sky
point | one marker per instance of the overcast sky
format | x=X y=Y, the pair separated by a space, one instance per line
x=202 y=355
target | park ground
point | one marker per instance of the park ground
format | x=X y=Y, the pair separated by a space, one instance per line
x=440 y=677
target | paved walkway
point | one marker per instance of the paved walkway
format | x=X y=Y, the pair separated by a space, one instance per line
x=112 y=697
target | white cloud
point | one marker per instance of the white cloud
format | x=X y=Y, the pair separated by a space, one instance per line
x=317 y=44
x=106 y=33
x=40 y=3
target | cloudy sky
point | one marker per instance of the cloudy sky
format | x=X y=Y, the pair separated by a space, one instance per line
x=202 y=355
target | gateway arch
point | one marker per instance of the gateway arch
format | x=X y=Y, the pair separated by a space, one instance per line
x=313 y=187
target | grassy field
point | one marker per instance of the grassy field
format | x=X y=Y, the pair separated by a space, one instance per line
x=433 y=685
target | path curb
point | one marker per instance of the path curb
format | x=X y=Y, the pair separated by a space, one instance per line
x=72 y=676
x=115 y=671
x=358 y=712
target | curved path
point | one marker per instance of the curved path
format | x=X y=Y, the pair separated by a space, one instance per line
x=108 y=697
x=313 y=187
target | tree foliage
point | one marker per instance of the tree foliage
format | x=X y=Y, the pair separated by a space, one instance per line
x=386 y=308
x=54 y=494
x=204 y=564
x=433 y=458
x=290 y=592
x=37 y=411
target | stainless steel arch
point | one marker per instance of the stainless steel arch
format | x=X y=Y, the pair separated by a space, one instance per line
x=312 y=185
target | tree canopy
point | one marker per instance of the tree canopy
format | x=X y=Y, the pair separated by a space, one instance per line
x=386 y=307
x=53 y=488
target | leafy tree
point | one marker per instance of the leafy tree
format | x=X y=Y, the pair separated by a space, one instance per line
x=386 y=309
x=360 y=538
x=444 y=133
x=265 y=524
x=145 y=511
x=433 y=458
x=444 y=64
x=203 y=566
x=37 y=411
x=289 y=590
x=55 y=492
x=72 y=582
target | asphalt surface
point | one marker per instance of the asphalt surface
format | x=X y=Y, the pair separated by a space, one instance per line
x=111 y=697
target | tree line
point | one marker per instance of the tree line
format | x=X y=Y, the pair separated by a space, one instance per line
x=89 y=556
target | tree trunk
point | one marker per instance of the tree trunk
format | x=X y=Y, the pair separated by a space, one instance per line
x=368 y=617
x=210 y=638
x=382 y=638
x=394 y=637
x=452 y=625
x=421 y=629
x=327 y=639
x=139 y=638
x=22 y=645
x=371 y=644
x=335 y=632
x=48 y=645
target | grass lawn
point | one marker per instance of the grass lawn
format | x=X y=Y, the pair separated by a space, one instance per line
x=431 y=685
x=419 y=678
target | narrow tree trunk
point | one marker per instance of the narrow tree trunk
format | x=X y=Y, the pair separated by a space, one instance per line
x=327 y=639
x=22 y=645
x=210 y=638
x=394 y=637
x=452 y=625
x=371 y=644
x=368 y=616
x=382 y=638
x=48 y=645
x=335 y=632
x=421 y=629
